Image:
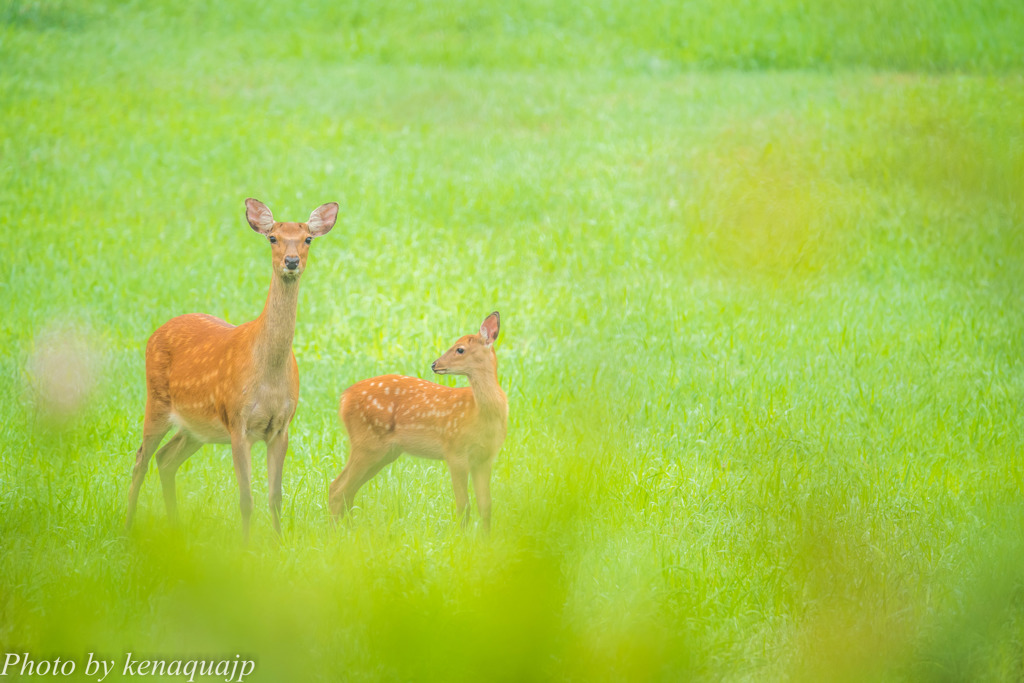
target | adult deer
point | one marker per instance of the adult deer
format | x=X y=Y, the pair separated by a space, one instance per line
x=390 y=415
x=224 y=384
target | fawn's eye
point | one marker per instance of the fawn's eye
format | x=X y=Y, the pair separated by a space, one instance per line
x=460 y=350
x=309 y=240
x=273 y=240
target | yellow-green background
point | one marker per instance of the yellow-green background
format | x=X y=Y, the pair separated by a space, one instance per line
x=760 y=267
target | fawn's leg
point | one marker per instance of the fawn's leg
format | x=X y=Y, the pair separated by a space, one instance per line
x=481 y=474
x=362 y=466
x=460 y=483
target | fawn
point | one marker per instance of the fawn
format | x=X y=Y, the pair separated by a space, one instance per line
x=218 y=383
x=390 y=415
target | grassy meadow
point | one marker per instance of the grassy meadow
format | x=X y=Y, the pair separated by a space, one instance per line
x=761 y=274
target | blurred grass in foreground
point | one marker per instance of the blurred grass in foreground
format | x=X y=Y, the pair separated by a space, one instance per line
x=762 y=333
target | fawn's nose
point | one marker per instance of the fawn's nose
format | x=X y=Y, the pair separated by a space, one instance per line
x=291 y=262
x=433 y=366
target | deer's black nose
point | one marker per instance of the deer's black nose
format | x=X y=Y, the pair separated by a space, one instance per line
x=291 y=262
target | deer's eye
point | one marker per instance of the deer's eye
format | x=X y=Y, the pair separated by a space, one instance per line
x=273 y=240
x=460 y=350
x=309 y=240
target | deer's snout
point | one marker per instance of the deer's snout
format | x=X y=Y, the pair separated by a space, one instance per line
x=291 y=262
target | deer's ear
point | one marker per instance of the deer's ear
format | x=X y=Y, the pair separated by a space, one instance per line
x=489 y=328
x=259 y=216
x=322 y=220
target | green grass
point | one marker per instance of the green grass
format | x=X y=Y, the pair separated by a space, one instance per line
x=759 y=267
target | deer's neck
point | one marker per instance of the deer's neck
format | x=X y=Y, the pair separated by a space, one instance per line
x=275 y=327
x=490 y=399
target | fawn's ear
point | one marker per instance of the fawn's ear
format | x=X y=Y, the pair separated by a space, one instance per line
x=489 y=328
x=322 y=220
x=259 y=216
